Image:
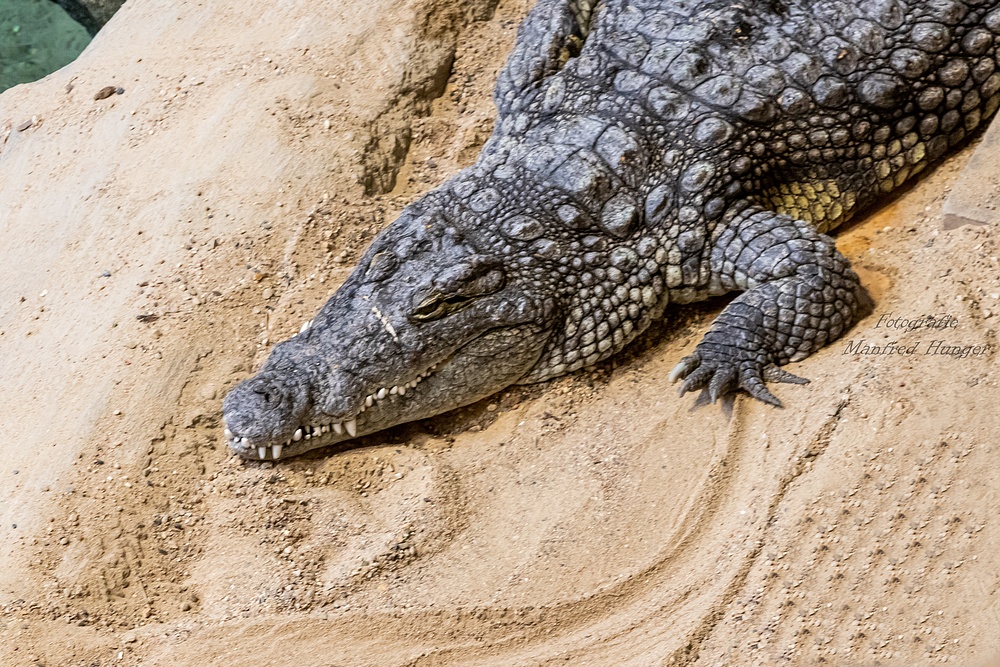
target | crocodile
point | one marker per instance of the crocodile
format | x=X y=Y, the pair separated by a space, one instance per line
x=646 y=153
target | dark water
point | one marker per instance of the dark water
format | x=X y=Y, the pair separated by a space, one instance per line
x=36 y=38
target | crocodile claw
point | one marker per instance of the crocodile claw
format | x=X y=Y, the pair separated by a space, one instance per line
x=721 y=377
x=776 y=374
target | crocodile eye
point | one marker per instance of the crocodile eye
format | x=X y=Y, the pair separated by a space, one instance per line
x=382 y=266
x=446 y=301
x=436 y=305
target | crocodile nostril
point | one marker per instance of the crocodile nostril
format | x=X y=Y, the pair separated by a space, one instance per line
x=268 y=394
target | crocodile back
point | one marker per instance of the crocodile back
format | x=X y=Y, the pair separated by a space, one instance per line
x=814 y=108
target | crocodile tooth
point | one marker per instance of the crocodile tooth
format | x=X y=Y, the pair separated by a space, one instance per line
x=297 y=435
x=381 y=393
x=324 y=428
x=394 y=390
x=402 y=390
x=369 y=401
x=352 y=427
x=276 y=450
x=229 y=434
x=309 y=436
x=337 y=428
x=262 y=453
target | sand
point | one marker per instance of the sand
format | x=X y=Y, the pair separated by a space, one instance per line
x=158 y=242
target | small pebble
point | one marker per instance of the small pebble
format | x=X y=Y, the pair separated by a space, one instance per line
x=24 y=126
x=105 y=92
x=268 y=293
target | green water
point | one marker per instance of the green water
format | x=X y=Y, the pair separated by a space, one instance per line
x=36 y=38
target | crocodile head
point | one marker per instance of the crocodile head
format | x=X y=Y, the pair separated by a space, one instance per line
x=427 y=322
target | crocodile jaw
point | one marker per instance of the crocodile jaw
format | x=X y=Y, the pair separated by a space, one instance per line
x=325 y=431
x=480 y=368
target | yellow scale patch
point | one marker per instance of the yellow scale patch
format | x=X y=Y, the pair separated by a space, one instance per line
x=820 y=203
x=825 y=206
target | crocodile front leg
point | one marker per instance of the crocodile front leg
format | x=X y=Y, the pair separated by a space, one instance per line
x=800 y=293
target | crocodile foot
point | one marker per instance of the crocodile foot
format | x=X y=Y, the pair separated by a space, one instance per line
x=726 y=361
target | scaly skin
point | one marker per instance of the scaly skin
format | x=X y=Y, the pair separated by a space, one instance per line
x=646 y=153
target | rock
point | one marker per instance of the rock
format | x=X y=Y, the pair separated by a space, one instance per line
x=91 y=14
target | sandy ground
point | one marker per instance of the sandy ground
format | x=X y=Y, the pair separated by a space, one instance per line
x=157 y=242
